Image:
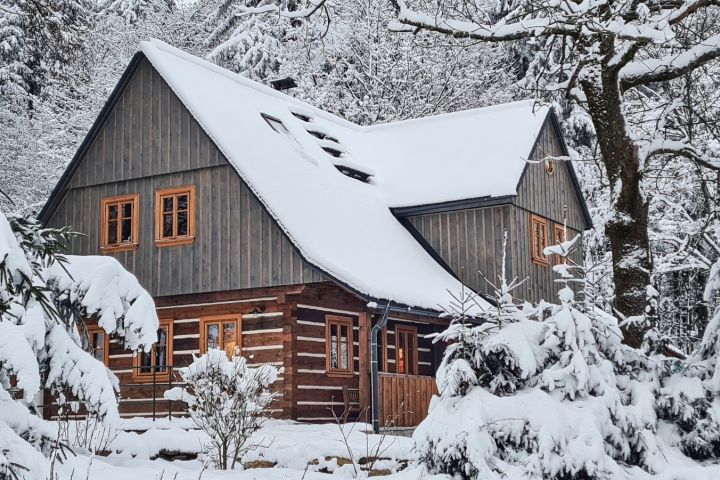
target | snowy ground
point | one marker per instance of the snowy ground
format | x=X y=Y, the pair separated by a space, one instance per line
x=299 y=451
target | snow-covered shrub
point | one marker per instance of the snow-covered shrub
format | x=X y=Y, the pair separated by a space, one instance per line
x=228 y=399
x=561 y=398
x=44 y=299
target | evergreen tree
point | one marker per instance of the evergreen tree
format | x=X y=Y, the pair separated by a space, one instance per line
x=44 y=299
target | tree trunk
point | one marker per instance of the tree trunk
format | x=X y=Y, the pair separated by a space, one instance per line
x=627 y=230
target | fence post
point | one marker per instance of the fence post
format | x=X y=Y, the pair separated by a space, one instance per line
x=170 y=379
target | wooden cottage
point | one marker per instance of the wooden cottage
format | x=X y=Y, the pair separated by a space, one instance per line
x=266 y=226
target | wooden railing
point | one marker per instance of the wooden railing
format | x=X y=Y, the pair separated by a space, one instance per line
x=404 y=399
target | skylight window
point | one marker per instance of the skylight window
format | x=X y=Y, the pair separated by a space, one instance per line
x=302 y=116
x=277 y=125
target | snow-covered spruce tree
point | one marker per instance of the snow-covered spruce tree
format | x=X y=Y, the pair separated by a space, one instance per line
x=227 y=399
x=689 y=393
x=571 y=403
x=613 y=59
x=44 y=299
x=247 y=43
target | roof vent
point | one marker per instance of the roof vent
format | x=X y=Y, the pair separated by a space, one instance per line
x=302 y=116
x=332 y=151
x=283 y=83
x=352 y=173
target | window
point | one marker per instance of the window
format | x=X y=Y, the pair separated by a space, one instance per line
x=277 y=125
x=559 y=237
x=339 y=345
x=175 y=216
x=406 y=350
x=95 y=341
x=119 y=223
x=382 y=350
x=222 y=332
x=538 y=239
x=155 y=363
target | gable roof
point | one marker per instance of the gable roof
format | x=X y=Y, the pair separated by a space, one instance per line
x=340 y=225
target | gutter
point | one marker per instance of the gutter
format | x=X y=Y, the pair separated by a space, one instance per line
x=374 y=368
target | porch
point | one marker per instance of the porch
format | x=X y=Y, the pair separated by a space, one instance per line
x=404 y=399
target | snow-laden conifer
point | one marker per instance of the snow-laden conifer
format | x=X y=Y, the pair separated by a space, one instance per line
x=44 y=301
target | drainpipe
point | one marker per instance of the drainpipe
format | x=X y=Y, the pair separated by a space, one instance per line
x=374 y=369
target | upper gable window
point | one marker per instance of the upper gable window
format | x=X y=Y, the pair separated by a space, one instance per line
x=175 y=216
x=119 y=223
x=538 y=239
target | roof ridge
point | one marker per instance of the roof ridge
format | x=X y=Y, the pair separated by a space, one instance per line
x=246 y=82
x=295 y=102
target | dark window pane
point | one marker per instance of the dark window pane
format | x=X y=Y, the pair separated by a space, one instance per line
x=112 y=212
x=167 y=225
x=167 y=204
x=182 y=227
x=160 y=359
x=145 y=362
x=112 y=232
x=162 y=336
x=182 y=202
x=126 y=230
x=127 y=210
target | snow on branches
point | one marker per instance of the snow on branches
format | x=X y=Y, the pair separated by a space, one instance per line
x=228 y=399
x=44 y=301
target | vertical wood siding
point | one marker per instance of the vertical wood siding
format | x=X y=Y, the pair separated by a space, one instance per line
x=149 y=142
x=550 y=196
x=470 y=242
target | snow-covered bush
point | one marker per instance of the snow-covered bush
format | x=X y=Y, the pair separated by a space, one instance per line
x=44 y=299
x=561 y=398
x=228 y=399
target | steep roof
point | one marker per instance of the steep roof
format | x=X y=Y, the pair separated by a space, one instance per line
x=341 y=225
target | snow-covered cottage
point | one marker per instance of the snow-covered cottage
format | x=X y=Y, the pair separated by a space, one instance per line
x=263 y=224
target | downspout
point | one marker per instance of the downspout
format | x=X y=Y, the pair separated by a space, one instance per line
x=374 y=369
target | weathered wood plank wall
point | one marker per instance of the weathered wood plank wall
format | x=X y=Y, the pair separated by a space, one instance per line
x=550 y=196
x=151 y=142
x=470 y=240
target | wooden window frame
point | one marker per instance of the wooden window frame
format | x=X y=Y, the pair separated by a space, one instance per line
x=559 y=236
x=161 y=241
x=91 y=329
x=139 y=377
x=331 y=320
x=220 y=319
x=538 y=258
x=105 y=204
x=412 y=332
x=383 y=351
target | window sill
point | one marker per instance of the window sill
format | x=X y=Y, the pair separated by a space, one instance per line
x=148 y=378
x=125 y=247
x=340 y=374
x=171 y=242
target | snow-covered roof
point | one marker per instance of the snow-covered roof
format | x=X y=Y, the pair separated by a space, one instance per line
x=342 y=222
x=341 y=225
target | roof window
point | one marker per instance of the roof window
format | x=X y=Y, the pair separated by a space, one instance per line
x=302 y=116
x=277 y=125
